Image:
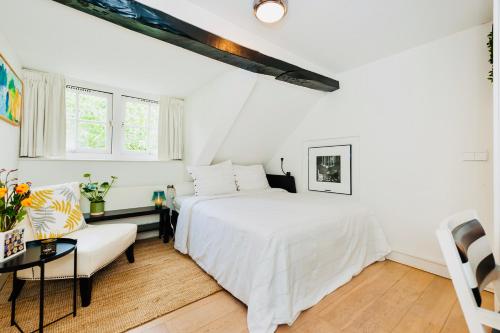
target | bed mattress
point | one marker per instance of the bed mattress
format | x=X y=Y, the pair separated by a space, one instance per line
x=279 y=253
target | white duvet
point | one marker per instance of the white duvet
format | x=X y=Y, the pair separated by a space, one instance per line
x=279 y=253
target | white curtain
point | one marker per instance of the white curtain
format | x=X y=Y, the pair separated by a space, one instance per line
x=170 y=129
x=43 y=124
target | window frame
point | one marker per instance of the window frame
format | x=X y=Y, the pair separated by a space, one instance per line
x=150 y=154
x=107 y=123
x=116 y=152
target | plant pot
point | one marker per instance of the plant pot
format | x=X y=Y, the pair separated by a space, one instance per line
x=12 y=243
x=97 y=208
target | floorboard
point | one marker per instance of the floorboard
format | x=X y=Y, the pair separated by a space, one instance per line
x=385 y=297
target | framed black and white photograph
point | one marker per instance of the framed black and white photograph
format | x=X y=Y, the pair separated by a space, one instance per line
x=330 y=169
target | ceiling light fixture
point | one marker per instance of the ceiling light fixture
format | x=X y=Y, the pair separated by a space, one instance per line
x=270 y=11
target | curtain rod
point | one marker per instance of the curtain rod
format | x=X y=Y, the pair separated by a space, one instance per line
x=142 y=99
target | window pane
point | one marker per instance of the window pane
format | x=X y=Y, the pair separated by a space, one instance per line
x=91 y=136
x=70 y=134
x=140 y=128
x=93 y=108
x=153 y=129
x=135 y=139
x=70 y=103
x=136 y=113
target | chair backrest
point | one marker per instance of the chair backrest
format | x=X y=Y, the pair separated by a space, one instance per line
x=469 y=259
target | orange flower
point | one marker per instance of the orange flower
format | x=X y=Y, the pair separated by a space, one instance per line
x=26 y=202
x=3 y=192
x=22 y=188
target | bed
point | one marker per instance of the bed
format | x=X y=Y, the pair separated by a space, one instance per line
x=277 y=252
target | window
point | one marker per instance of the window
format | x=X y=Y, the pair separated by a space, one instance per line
x=88 y=120
x=110 y=125
x=140 y=126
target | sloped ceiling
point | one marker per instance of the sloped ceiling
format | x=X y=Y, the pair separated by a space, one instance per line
x=243 y=117
x=272 y=111
x=51 y=37
x=211 y=111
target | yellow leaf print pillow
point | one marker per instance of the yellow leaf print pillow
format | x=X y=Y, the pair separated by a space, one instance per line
x=55 y=210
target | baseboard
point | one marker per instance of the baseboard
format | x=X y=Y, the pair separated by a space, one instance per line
x=422 y=264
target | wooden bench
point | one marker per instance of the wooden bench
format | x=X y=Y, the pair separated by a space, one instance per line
x=163 y=225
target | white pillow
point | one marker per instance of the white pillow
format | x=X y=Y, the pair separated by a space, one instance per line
x=252 y=177
x=214 y=179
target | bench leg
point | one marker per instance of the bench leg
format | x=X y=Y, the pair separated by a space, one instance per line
x=86 y=291
x=16 y=290
x=130 y=253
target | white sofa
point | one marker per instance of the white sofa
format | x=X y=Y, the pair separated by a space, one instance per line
x=98 y=246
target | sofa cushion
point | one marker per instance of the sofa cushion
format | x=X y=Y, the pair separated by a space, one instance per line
x=98 y=245
x=55 y=210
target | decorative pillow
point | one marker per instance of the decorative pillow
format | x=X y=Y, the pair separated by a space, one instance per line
x=214 y=179
x=252 y=177
x=55 y=210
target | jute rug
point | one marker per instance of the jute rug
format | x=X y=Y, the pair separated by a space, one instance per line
x=124 y=295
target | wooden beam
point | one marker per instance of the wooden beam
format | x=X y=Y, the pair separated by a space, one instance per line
x=138 y=17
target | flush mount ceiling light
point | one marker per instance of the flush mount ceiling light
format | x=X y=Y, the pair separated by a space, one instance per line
x=270 y=11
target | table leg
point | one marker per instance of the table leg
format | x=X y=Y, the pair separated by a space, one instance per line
x=165 y=231
x=161 y=228
x=42 y=295
x=13 y=302
x=74 y=280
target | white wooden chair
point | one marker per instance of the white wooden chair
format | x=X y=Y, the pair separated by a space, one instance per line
x=471 y=265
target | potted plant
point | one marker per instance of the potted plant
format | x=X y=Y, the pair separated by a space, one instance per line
x=14 y=198
x=95 y=193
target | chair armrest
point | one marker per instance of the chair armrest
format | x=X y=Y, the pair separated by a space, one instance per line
x=489 y=318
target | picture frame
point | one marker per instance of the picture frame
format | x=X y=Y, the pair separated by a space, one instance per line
x=12 y=243
x=330 y=169
x=11 y=94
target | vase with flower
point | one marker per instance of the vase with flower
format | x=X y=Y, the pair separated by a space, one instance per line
x=14 y=198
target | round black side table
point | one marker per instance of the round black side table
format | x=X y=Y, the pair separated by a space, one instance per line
x=31 y=258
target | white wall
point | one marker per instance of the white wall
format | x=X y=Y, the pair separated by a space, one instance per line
x=414 y=114
x=9 y=134
x=155 y=175
x=210 y=113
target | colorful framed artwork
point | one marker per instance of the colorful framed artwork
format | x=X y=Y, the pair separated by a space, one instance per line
x=330 y=169
x=11 y=94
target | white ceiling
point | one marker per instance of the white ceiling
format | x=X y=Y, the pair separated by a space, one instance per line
x=333 y=34
x=343 y=34
x=51 y=37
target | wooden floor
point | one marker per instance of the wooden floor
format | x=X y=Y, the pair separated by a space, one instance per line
x=385 y=297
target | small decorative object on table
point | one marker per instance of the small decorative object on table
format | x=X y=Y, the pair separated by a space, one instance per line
x=48 y=247
x=14 y=198
x=171 y=193
x=158 y=199
x=95 y=193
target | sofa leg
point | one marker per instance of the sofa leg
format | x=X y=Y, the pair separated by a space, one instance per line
x=86 y=290
x=130 y=253
x=16 y=290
